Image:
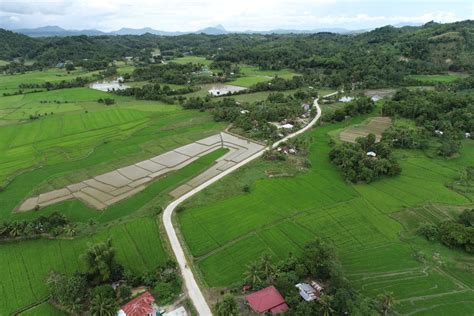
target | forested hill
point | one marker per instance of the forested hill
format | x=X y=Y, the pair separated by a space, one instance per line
x=380 y=57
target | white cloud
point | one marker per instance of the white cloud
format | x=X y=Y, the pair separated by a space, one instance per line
x=187 y=15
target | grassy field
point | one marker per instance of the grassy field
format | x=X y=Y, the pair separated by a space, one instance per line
x=193 y=60
x=253 y=75
x=25 y=265
x=44 y=309
x=437 y=78
x=225 y=231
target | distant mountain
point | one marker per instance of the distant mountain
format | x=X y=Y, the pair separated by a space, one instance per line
x=46 y=31
x=212 y=30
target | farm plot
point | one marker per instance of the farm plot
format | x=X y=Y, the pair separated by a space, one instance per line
x=280 y=214
x=117 y=149
x=375 y=125
x=25 y=265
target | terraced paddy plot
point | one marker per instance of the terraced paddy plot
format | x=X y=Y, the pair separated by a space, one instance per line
x=375 y=125
x=279 y=215
x=25 y=265
x=107 y=189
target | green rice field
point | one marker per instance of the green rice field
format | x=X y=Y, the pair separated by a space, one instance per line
x=25 y=265
x=225 y=232
x=437 y=78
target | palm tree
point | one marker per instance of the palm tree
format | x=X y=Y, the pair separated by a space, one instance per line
x=100 y=259
x=103 y=306
x=70 y=230
x=266 y=266
x=386 y=302
x=253 y=273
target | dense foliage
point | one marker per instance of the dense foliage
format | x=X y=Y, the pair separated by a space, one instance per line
x=458 y=234
x=52 y=225
x=384 y=56
x=447 y=115
x=364 y=161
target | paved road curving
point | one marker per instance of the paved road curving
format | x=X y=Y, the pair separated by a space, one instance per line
x=193 y=290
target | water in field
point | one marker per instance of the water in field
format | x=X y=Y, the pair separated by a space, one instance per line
x=224 y=89
x=109 y=85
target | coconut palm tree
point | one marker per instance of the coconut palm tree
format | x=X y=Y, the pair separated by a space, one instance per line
x=266 y=266
x=100 y=259
x=253 y=274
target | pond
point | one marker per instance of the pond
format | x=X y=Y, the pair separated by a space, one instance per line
x=224 y=89
x=108 y=85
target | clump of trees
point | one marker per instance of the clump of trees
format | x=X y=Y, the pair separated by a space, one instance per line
x=406 y=137
x=75 y=83
x=455 y=234
x=446 y=115
x=106 y=101
x=90 y=292
x=52 y=225
x=155 y=92
x=172 y=73
x=358 y=164
x=359 y=106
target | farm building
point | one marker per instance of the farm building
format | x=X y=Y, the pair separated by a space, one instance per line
x=267 y=300
x=144 y=305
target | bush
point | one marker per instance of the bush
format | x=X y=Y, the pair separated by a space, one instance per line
x=429 y=231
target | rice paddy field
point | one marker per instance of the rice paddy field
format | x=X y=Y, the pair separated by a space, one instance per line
x=25 y=265
x=438 y=78
x=226 y=231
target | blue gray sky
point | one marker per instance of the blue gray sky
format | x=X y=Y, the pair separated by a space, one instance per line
x=235 y=15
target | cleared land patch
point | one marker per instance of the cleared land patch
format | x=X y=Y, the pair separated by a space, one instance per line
x=375 y=125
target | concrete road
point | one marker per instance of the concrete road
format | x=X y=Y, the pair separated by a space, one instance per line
x=192 y=288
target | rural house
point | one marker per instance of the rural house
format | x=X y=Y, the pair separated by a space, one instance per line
x=144 y=305
x=310 y=292
x=267 y=300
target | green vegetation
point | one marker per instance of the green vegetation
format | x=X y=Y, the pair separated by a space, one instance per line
x=279 y=215
x=364 y=161
x=437 y=78
x=25 y=265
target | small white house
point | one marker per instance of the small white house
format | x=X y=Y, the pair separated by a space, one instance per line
x=371 y=154
x=345 y=99
x=467 y=135
x=287 y=126
x=307 y=292
x=306 y=107
x=439 y=132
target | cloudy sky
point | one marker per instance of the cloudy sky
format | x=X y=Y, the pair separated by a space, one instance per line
x=235 y=15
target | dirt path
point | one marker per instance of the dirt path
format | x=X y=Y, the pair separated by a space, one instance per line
x=193 y=290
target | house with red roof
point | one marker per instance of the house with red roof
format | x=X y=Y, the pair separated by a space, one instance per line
x=267 y=300
x=144 y=305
